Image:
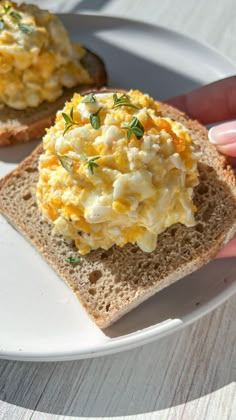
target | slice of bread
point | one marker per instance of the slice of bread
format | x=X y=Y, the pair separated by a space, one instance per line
x=20 y=126
x=111 y=283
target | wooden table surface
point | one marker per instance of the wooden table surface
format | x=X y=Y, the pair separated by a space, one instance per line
x=188 y=375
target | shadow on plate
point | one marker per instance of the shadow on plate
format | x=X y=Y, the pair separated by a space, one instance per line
x=86 y=5
x=18 y=152
x=137 y=72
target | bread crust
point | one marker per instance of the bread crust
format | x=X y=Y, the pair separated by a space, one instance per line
x=21 y=126
x=111 y=283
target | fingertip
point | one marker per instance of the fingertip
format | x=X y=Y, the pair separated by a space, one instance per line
x=227 y=149
x=229 y=250
x=223 y=134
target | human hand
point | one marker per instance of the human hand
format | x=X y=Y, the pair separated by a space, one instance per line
x=210 y=104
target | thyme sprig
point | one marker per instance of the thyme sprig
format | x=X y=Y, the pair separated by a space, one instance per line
x=69 y=120
x=73 y=260
x=90 y=163
x=89 y=99
x=66 y=163
x=26 y=29
x=134 y=127
x=15 y=15
x=123 y=100
x=95 y=119
x=6 y=10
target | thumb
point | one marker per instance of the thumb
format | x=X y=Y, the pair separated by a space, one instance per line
x=223 y=136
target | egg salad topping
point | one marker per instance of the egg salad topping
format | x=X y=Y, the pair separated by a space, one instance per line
x=37 y=58
x=115 y=171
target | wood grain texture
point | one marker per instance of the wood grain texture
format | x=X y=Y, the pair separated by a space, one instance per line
x=190 y=375
x=186 y=376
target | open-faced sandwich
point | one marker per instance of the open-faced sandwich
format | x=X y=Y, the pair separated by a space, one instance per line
x=124 y=197
x=40 y=68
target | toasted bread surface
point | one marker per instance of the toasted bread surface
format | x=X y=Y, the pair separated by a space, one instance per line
x=20 y=126
x=110 y=283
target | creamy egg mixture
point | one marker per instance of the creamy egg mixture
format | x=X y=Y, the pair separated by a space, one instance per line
x=115 y=171
x=37 y=58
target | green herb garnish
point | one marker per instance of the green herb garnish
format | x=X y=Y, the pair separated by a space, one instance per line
x=15 y=15
x=26 y=29
x=89 y=99
x=134 y=127
x=22 y=26
x=73 y=260
x=6 y=9
x=90 y=163
x=123 y=100
x=69 y=120
x=95 y=119
x=66 y=162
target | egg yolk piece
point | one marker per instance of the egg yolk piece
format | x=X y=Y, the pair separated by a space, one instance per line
x=37 y=58
x=115 y=171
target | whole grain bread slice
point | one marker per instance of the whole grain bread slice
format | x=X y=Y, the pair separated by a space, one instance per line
x=20 y=126
x=111 y=283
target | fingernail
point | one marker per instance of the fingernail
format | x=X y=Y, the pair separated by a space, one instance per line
x=223 y=133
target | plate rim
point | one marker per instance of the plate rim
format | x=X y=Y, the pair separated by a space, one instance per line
x=126 y=342
x=152 y=333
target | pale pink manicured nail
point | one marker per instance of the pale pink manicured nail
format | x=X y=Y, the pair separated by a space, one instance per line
x=223 y=133
x=228 y=149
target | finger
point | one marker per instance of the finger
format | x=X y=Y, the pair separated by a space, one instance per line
x=232 y=161
x=223 y=136
x=228 y=149
x=211 y=103
x=229 y=250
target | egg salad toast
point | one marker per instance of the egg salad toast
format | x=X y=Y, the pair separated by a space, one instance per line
x=124 y=197
x=40 y=69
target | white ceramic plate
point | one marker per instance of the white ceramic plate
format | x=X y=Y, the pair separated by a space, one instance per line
x=41 y=318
